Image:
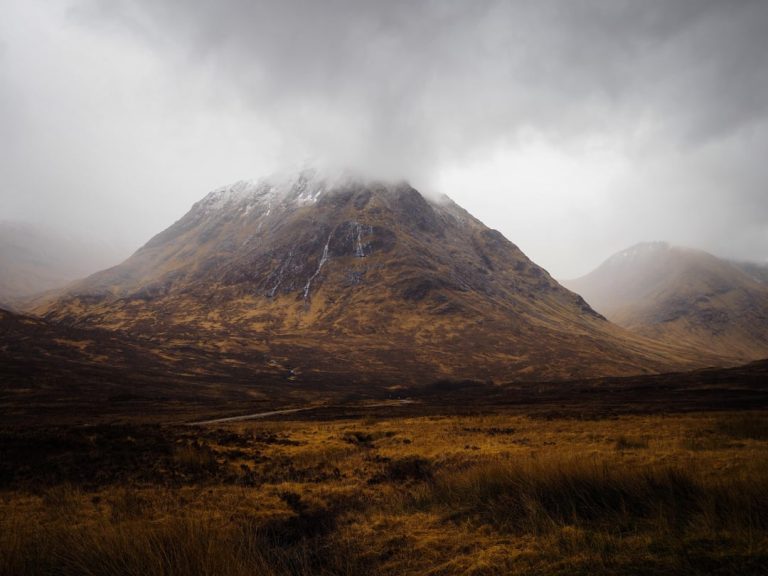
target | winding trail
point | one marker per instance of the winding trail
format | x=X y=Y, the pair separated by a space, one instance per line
x=255 y=416
x=259 y=415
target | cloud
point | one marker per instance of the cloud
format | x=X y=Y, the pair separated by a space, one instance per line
x=171 y=97
x=413 y=83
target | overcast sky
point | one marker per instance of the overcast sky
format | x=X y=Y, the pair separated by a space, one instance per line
x=576 y=128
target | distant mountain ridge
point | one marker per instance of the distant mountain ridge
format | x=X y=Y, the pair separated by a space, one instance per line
x=682 y=295
x=34 y=260
x=353 y=277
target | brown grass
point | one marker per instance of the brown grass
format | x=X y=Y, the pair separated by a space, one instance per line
x=435 y=495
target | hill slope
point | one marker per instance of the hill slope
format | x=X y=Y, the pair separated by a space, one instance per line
x=352 y=277
x=53 y=373
x=681 y=295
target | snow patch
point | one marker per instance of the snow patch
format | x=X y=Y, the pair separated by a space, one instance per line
x=260 y=197
x=637 y=251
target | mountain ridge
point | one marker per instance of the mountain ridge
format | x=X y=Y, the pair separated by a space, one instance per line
x=35 y=260
x=356 y=277
x=681 y=294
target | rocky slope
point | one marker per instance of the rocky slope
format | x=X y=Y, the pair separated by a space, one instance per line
x=682 y=295
x=350 y=277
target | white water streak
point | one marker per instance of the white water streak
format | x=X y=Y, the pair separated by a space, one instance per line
x=323 y=260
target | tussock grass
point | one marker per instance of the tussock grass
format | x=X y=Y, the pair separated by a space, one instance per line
x=181 y=547
x=536 y=496
x=195 y=459
x=743 y=426
x=626 y=443
x=624 y=496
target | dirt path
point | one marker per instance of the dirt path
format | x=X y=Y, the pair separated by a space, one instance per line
x=255 y=416
x=258 y=415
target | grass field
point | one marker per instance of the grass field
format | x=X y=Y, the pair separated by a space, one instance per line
x=482 y=494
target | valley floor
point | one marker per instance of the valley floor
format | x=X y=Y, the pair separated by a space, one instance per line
x=375 y=493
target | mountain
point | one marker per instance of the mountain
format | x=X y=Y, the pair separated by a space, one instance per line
x=757 y=271
x=681 y=295
x=34 y=260
x=339 y=277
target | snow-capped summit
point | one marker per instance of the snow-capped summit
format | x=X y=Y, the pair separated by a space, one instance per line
x=346 y=275
x=641 y=250
x=249 y=195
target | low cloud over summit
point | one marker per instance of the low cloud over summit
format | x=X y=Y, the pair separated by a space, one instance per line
x=660 y=105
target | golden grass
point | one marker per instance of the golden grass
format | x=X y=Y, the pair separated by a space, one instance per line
x=683 y=494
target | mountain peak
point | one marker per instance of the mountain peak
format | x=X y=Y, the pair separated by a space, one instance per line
x=329 y=271
x=681 y=294
x=303 y=187
x=640 y=250
x=285 y=190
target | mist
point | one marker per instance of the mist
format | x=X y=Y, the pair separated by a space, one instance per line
x=576 y=129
